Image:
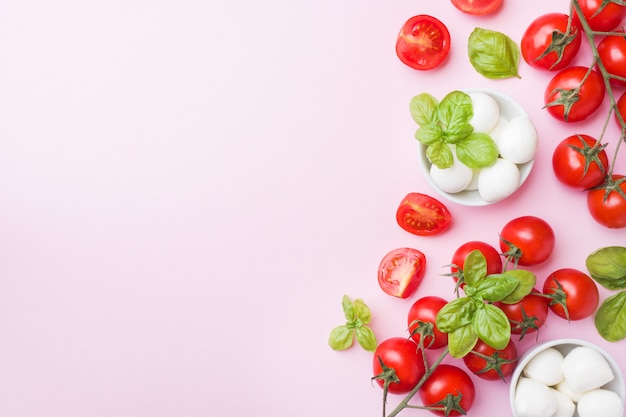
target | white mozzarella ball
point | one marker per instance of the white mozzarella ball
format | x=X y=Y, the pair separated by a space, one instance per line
x=496 y=131
x=486 y=112
x=546 y=367
x=585 y=369
x=600 y=403
x=565 y=407
x=534 y=399
x=453 y=179
x=498 y=181
x=564 y=387
x=517 y=142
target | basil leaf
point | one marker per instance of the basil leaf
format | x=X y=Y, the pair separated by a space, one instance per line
x=477 y=150
x=455 y=109
x=462 y=341
x=527 y=281
x=495 y=288
x=423 y=109
x=362 y=311
x=474 y=267
x=610 y=319
x=341 y=338
x=455 y=314
x=608 y=267
x=492 y=326
x=493 y=54
x=365 y=337
x=440 y=154
x=429 y=134
x=348 y=308
x=458 y=132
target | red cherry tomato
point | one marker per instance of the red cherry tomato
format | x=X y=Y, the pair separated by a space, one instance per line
x=401 y=271
x=547 y=43
x=528 y=239
x=603 y=20
x=612 y=52
x=580 y=162
x=423 y=215
x=567 y=98
x=607 y=206
x=423 y=42
x=576 y=294
x=528 y=315
x=477 y=7
x=621 y=108
x=405 y=358
x=491 y=364
x=494 y=260
x=425 y=310
x=448 y=381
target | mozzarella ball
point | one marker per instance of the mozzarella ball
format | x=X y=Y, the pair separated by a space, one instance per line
x=486 y=112
x=517 y=142
x=600 y=403
x=534 y=399
x=498 y=181
x=453 y=179
x=496 y=131
x=546 y=367
x=585 y=368
x=565 y=407
x=564 y=388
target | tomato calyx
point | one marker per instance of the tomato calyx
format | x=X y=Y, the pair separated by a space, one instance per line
x=559 y=42
x=493 y=362
x=526 y=324
x=558 y=296
x=514 y=253
x=590 y=153
x=448 y=404
x=612 y=185
x=424 y=329
x=388 y=375
x=566 y=98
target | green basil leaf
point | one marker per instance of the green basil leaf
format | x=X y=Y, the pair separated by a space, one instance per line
x=429 y=134
x=474 y=267
x=423 y=109
x=362 y=311
x=455 y=109
x=348 y=308
x=458 y=132
x=610 y=319
x=462 y=341
x=455 y=314
x=366 y=338
x=341 y=338
x=493 y=54
x=495 y=288
x=527 y=281
x=608 y=267
x=492 y=326
x=477 y=150
x=440 y=154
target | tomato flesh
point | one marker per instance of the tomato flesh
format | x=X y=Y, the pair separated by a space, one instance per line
x=401 y=271
x=581 y=293
x=423 y=42
x=477 y=7
x=423 y=215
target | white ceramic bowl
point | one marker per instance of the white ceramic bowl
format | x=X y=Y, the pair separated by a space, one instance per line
x=509 y=108
x=565 y=346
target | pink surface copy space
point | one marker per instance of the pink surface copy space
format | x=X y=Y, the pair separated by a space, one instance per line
x=188 y=189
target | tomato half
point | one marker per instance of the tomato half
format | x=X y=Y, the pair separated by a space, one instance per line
x=425 y=310
x=401 y=271
x=548 y=43
x=423 y=215
x=607 y=205
x=423 y=42
x=528 y=315
x=567 y=98
x=491 y=364
x=575 y=294
x=403 y=356
x=527 y=239
x=580 y=162
x=621 y=108
x=445 y=382
x=612 y=52
x=601 y=15
x=477 y=7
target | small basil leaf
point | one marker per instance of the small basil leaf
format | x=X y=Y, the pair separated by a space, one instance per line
x=462 y=341
x=458 y=132
x=493 y=54
x=455 y=109
x=477 y=150
x=492 y=326
x=457 y=313
x=495 y=288
x=429 y=134
x=610 y=319
x=423 y=109
x=474 y=267
x=608 y=267
x=341 y=338
x=527 y=281
x=440 y=154
x=348 y=308
x=365 y=337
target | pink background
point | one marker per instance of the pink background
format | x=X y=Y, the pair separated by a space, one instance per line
x=188 y=189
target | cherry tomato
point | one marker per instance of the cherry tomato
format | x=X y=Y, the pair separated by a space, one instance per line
x=448 y=381
x=423 y=42
x=621 y=108
x=567 y=98
x=491 y=364
x=423 y=215
x=575 y=294
x=607 y=205
x=477 y=7
x=547 y=43
x=401 y=271
x=528 y=239
x=403 y=356
x=606 y=20
x=580 y=162
x=494 y=260
x=612 y=52
x=528 y=315
x=425 y=310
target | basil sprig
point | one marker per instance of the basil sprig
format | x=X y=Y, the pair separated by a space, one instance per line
x=493 y=54
x=357 y=316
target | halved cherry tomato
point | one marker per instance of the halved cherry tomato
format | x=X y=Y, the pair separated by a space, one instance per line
x=549 y=44
x=425 y=310
x=491 y=364
x=423 y=42
x=405 y=359
x=423 y=215
x=580 y=162
x=567 y=98
x=607 y=204
x=601 y=15
x=612 y=52
x=575 y=294
x=401 y=271
x=477 y=7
